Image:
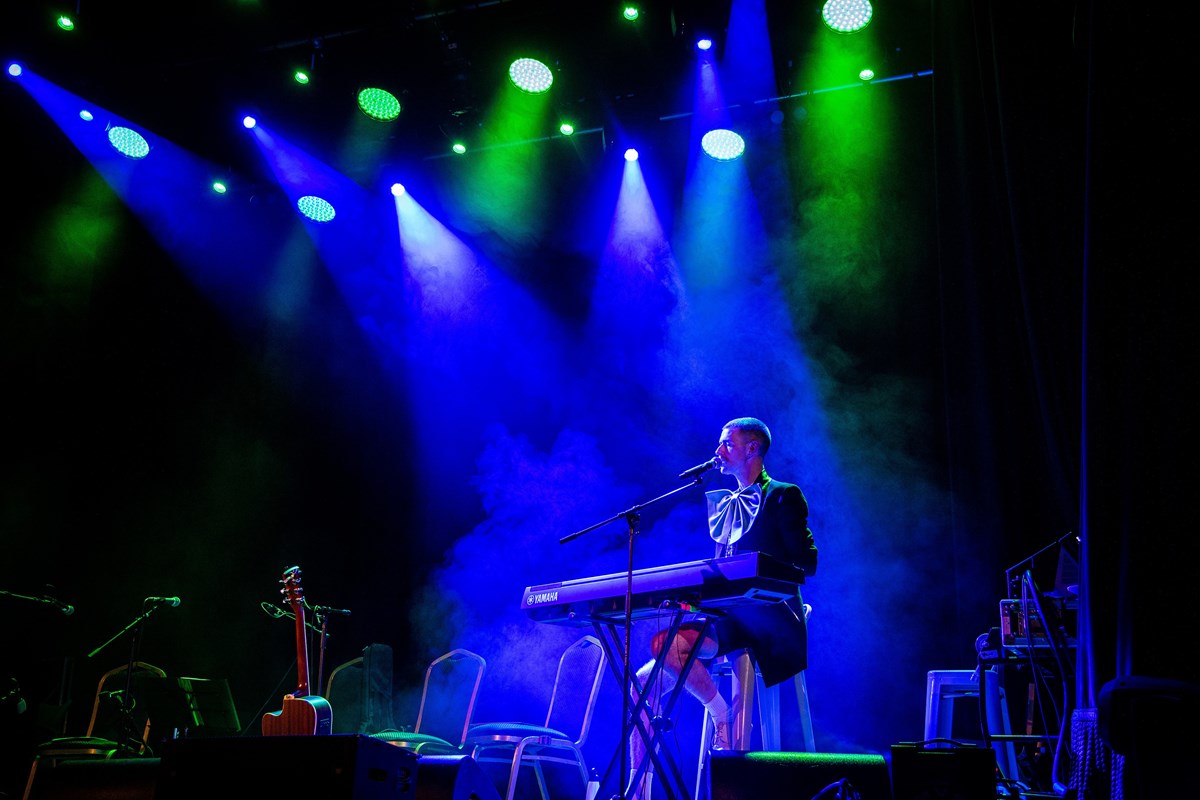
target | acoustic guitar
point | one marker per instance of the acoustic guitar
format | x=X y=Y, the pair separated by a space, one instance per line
x=303 y=714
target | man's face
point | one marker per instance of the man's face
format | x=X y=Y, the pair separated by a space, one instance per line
x=733 y=449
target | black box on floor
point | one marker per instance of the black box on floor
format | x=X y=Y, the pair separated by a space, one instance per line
x=94 y=779
x=767 y=775
x=958 y=772
x=336 y=767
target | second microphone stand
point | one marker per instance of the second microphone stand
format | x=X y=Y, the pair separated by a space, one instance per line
x=129 y=739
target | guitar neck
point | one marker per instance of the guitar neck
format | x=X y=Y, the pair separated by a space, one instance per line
x=301 y=651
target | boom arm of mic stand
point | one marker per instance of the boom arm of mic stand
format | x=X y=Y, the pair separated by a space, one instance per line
x=631 y=517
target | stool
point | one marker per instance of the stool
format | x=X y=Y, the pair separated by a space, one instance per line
x=750 y=687
x=944 y=686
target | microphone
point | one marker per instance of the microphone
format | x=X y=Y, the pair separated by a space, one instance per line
x=698 y=470
x=326 y=610
x=173 y=602
x=66 y=608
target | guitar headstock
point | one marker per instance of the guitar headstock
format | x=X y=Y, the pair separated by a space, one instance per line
x=291 y=590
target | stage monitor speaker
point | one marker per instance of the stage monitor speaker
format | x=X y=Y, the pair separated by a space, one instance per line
x=796 y=776
x=335 y=767
x=962 y=772
x=453 y=778
x=94 y=779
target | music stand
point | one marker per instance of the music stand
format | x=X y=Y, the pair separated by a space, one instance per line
x=190 y=707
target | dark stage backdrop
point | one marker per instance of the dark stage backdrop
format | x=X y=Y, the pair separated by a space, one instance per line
x=1012 y=334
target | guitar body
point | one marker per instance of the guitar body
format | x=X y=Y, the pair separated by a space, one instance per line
x=303 y=714
x=300 y=716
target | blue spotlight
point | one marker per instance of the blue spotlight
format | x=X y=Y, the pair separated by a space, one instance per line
x=631 y=155
x=128 y=142
x=722 y=144
x=704 y=44
x=397 y=189
x=249 y=122
x=85 y=115
x=316 y=208
x=14 y=69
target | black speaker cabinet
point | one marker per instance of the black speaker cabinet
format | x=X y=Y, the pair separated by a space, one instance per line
x=453 y=778
x=947 y=773
x=336 y=767
x=94 y=779
x=796 y=776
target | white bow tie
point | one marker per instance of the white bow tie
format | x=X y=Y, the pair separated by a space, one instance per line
x=730 y=514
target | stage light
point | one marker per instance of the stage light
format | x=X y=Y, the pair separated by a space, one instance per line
x=315 y=208
x=66 y=23
x=249 y=122
x=630 y=13
x=723 y=144
x=459 y=148
x=704 y=44
x=847 y=16
x=128 y=142
x=866 y=75
x=14 y=69
x=631 y=155
x=219 y=187
x=301 y=77
x=566 y=129
x=378 y=104
x=86 y=115
x=530 y=75
x=397 y=189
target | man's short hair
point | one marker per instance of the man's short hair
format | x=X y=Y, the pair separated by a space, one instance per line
x=755 y=428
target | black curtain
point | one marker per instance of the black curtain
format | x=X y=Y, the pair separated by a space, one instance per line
x=1066 y=211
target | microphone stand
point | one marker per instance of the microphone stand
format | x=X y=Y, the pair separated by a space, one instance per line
x=125 y=725
x=631 y=516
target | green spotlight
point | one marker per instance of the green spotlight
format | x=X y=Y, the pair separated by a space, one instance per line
x=566 y=129
x=219 y=187
x=847 y=16
x=66 y=23
x=723 y=145
x=301 y=77
x=459 y=148
x=128 y=142
x=378 y=104
x=630 y=13
x=530 y=75
x=866 y=75
x=316 y=208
